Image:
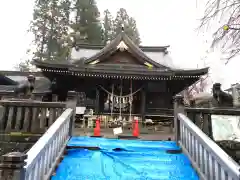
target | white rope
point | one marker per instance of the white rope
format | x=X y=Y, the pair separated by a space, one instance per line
x=121 y=96
x=120 y=110
x=128 y=95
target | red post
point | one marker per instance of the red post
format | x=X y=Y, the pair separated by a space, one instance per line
x=135 y=131
x=97 y=128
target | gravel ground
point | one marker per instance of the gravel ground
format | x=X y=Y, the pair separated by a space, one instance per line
x=164 y=134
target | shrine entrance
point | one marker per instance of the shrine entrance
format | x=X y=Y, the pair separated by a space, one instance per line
x=120 y=100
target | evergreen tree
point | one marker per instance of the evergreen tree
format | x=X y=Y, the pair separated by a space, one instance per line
x=108 y=26
x=87 y=22
x=128 y=23
x=50 y=28
x=24 y=66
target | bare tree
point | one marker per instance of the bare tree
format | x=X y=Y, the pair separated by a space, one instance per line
x=227 y=13
x=196 y=88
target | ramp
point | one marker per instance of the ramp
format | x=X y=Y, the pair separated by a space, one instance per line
x=124 y=160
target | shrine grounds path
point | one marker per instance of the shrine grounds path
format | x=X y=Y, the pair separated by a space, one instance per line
x=165 y=134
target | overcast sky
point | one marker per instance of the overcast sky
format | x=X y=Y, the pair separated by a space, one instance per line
x=160 y=22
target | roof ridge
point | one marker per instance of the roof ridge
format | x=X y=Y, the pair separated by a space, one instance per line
x=134 y=49
x=126 y=38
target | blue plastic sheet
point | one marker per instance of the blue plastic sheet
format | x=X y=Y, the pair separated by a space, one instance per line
x=137 y=160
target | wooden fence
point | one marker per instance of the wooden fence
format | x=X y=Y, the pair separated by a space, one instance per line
x=23 y=121
x=9 y=94
x=29 y=116
x=40 y=162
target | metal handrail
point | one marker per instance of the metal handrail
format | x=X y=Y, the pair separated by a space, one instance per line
x=210 y=161
x=43 y=156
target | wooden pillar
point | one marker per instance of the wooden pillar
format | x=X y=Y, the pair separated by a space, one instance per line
x=72 y=103
x=72 y=96
x=178 y=108
x=54 y=97
x=207 y=122
x=97 y=101
x=12 y=166
x=143 y=104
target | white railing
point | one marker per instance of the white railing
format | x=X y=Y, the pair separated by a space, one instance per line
x=45 y=153
x=210 y=161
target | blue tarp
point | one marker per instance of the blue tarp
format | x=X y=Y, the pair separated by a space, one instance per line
x=137 y=160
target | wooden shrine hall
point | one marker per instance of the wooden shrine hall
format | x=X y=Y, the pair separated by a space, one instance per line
x=121 y=79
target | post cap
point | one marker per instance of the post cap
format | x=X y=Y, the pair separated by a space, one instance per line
x=13 y=160
x=178 y=97
x=72 y=93
x=14 y=157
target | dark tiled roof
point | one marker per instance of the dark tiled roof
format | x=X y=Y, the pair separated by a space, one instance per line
x=110 y=49
x=143 y=48
x=41 y=83
x=4 y=88
x=83 y=67
x=106 y=69
x=135 y=69
x=132 y=48
x=6 y=81
x=237 y=86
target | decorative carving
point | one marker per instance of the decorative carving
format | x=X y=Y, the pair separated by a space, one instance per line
x=25 y=88
x=53 y=87
x=223 y=99
x=122 y=46
x=218 y=98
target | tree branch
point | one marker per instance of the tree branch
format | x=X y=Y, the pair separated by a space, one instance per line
x=227 y=11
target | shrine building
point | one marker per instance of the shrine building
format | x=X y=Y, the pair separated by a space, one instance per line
x=121 y=79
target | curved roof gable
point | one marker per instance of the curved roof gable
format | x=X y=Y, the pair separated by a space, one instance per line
x=122 y=40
